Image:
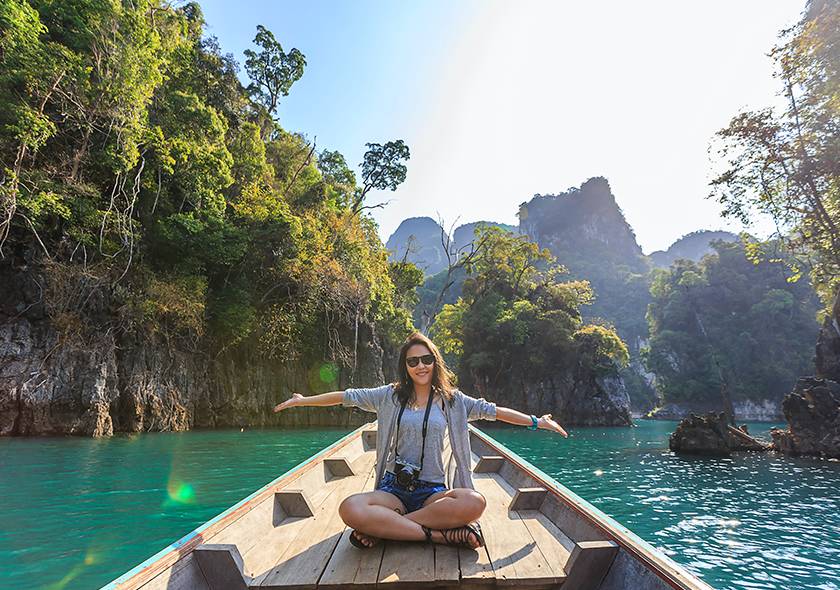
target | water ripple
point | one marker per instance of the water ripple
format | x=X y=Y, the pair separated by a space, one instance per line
x=745 y=522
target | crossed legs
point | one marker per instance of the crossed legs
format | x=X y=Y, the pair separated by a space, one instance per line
x=380 y=514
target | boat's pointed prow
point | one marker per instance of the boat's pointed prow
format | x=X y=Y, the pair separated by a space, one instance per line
x=289 y=535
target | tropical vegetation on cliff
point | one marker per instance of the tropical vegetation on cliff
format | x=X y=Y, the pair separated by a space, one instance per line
x=516 y=323
x=786 y=165
x=727 y=322
x=136 y=166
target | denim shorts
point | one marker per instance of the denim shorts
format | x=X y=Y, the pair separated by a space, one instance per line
x=411 y=500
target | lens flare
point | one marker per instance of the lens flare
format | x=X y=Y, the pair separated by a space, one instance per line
x=90 y=558
x=180 y=492
x=328 y=372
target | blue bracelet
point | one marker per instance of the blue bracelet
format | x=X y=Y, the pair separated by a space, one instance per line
x=534 y=423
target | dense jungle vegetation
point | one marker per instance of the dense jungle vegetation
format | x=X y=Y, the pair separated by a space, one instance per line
x=136 y=164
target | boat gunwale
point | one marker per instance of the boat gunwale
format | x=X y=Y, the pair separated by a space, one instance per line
x=660 y=564
x=663 y=566
x=163 y=559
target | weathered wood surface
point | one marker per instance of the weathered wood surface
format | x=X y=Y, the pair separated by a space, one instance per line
x=290 y=536
x=517 y=558
x=222 y=566
x=589 y=563
x=350 y=566
x=306 y=556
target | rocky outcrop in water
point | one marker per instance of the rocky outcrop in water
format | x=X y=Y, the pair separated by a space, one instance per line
x=710 y=434
x=812 y=411
x=97 y=380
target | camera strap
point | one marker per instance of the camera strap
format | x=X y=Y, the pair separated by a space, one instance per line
x=425 y=426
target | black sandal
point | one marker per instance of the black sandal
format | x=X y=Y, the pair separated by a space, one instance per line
x=460 y=536
x=356 y=542
x=428 y=532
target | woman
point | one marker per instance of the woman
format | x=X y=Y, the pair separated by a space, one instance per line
x=414 y=416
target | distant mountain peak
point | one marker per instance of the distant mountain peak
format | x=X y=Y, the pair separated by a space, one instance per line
x=586 y=214
x=692 y=246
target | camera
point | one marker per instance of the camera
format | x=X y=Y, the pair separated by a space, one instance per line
x=407 y=475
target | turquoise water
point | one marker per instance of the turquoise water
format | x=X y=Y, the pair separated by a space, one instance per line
x=79 y=512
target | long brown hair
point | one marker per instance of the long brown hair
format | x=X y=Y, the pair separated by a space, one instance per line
x=442 y=377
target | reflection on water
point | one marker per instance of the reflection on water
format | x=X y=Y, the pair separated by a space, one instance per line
x=80 y=512
x=750 y=521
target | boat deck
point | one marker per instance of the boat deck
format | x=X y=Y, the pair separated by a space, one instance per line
x=523 y=547
x=289 y=535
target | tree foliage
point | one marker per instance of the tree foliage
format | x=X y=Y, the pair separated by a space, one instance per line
x=136 y=163
x=749 y=319
x=786 y=165
x=517 y=323
x=272 y=70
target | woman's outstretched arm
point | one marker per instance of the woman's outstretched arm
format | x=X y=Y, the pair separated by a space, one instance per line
x=545 y=422
x=332 y=398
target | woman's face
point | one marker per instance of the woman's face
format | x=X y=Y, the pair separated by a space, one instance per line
x=422 y=373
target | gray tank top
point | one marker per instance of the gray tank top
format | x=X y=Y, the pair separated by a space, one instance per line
x=411 y=439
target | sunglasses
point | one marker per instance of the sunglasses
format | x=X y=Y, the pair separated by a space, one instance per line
x=426 y=359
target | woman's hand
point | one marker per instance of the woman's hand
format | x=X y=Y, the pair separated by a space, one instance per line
x=546 y=422
x=293 y=401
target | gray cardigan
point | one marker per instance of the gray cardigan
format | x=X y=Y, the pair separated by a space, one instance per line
x=460 y=410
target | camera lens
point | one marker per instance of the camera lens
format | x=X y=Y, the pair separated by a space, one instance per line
x=403 y=478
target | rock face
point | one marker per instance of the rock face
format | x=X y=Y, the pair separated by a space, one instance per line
x=421 y=237
x=709 y=434
x=813 y=414
x=827 y=359
x=573 y=400
x=812 y=409
x=98 y=380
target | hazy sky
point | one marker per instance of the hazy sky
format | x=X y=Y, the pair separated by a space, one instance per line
x=500 y=100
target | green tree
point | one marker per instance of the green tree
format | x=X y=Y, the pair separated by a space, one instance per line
x=382 y=168
x=786 y=165
x=516 y=323
x=272 y=70
x=728 y=326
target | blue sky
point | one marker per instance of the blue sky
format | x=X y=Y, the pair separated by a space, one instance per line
x=500 y=100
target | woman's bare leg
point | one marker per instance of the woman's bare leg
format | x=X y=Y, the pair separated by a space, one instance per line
x=449 y=509
x=380 y=514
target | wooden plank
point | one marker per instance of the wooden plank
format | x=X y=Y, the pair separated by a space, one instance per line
x=350 y=565
x=555 y=546
x=303 y=561
x=184 y=575
x=488 y=464
x=262 y=558
x=528 y=498
x=475 y=564
x=407 y=562
x=266 y=554
x=516 y=558
x=589 y=563
x=222 y=566
x=447 y=570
